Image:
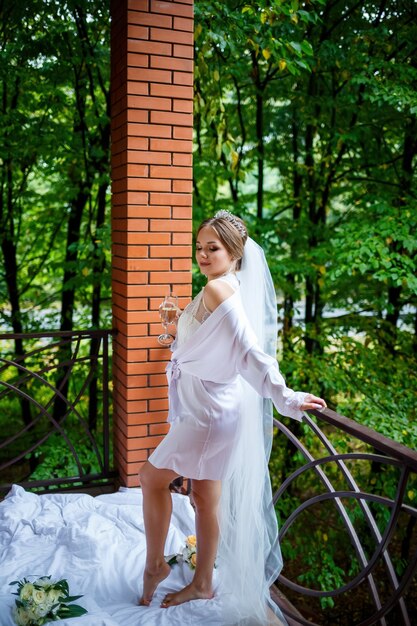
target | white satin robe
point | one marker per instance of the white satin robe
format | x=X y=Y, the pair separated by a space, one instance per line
x=205 y=392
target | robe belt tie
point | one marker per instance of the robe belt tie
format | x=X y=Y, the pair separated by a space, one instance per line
x=173 y=372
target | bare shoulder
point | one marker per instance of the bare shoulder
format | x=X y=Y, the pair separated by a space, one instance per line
x=215 y=292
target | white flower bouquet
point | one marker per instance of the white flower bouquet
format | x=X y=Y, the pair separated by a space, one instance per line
x=187 y=555
x=43 y=601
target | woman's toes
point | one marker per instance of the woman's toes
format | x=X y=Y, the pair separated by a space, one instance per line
x=165 y=602
x=151 y=579
x=186 y=595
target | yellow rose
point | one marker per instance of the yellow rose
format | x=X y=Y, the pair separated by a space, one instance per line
x=54 y=595
x=31 y=614
x=21 y=616
x=193 y=560
x=26 y=592
x=192 y=540
x=39 y=596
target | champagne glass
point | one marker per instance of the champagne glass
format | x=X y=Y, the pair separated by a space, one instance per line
x=168 y=313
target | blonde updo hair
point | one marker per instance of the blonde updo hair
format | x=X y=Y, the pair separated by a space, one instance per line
x=231 y=231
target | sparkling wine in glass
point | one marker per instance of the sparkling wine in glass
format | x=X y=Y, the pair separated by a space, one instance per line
x=168 y=313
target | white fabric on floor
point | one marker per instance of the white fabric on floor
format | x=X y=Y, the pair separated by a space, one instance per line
x=98 y=545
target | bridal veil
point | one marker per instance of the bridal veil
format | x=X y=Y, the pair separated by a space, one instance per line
x=249 y=555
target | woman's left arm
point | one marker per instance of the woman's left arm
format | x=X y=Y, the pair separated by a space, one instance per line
x=262 y=373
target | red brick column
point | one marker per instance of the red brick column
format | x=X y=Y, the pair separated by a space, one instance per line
x=152 y=99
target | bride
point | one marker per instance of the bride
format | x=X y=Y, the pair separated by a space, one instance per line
x=222 y=371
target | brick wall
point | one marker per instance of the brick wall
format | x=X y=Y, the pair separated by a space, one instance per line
x=152 y=100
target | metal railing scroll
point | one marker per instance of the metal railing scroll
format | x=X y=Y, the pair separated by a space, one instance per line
x=342 y=494
x=55 y=410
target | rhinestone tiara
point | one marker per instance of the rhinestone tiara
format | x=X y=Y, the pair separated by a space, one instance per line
x=226 y=215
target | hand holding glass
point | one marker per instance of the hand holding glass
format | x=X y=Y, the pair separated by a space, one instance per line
x=168 y=310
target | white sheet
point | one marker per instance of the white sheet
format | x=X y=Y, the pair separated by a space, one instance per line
x=98 y=545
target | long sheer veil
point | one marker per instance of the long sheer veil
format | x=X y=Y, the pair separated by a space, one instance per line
x=249 y=556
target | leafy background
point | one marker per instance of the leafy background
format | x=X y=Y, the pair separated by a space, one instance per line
x=305 y=126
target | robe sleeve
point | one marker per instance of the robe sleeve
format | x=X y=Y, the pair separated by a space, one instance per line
x=262 y=372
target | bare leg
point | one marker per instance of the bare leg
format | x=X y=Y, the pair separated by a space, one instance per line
x=206 y=495
x=157 y=509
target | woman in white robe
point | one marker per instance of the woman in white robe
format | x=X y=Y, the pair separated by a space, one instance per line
x=221 y=429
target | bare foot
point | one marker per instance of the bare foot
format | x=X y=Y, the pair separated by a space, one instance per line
x=151 y=579
x=190 y=592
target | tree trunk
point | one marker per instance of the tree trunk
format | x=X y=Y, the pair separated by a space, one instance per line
x=406 y=178
x=81 y=179
x=95 y=310
x=9 y=252
x=68 y=300
x=296 y=213
x=260 y=145
x=312 y=299
x=394 y=306
x=10 y=267
x=261 y=151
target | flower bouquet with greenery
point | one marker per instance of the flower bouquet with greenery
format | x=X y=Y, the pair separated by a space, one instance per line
x=43 y=601
x=187 y=555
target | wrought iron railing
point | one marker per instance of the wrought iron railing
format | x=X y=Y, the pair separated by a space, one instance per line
x=347 y=481
x=57 y=386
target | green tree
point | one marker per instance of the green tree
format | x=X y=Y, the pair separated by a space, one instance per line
x=54 y=168
x=305 y=126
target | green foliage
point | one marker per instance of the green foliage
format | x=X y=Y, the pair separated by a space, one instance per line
x=334 y=140
x=54 y=155
x=322 y=571
x=56 y=459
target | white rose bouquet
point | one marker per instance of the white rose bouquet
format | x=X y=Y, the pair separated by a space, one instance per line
x=43 y=601
x=187 y=555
